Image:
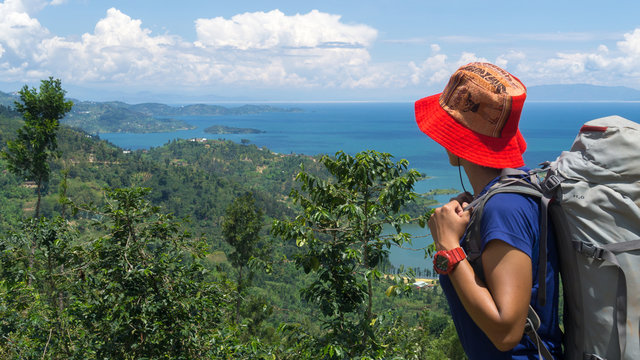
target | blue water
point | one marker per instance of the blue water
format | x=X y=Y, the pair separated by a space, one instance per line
x=388 y=127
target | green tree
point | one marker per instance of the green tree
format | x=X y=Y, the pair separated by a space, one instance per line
x=34 y=294
x=28 y=155
x=241 y=229
x=340 y=233
x=144 y=293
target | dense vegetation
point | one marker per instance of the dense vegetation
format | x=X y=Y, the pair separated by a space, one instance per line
x=170 y=253
x=105 y=118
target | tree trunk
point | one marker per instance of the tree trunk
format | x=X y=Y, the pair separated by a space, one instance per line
x=39 y=191
x=369 y=306
x=238 y=300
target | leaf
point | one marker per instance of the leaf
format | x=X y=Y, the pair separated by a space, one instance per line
x=390 y=291
x=315 y=263
x=301 y=241
x=373 y=321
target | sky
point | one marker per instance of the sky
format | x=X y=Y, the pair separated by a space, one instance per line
x=282 y=50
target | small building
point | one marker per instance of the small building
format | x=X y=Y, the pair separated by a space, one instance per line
x=29 y=184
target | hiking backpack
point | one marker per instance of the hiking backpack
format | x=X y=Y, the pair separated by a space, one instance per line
x=592 y=195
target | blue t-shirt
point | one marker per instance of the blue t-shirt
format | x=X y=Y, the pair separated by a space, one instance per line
x=514 y=219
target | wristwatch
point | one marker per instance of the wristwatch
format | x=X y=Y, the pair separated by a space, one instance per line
x=445 y=260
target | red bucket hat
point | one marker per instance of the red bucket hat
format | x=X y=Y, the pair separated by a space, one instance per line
x=476 y=116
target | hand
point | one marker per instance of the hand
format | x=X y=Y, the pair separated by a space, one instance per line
x=464 y=197
x=447 y=225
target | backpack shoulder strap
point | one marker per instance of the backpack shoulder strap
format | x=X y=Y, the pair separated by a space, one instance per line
x=525 y=183
x=531 y=329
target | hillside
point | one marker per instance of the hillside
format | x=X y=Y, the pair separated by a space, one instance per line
x=114 y=117
x=107 y=118
x=194 y=182
x=155 y=109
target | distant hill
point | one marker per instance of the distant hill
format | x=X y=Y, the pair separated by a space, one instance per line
x=156 y=109
x=115 y=116
x=7 y=99
x=95 y=117
x=582 y=92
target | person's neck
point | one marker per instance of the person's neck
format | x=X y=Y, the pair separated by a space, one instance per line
x=479 y=176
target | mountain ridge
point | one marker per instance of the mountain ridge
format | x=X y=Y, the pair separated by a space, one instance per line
x=581 y=92
x=117 y=116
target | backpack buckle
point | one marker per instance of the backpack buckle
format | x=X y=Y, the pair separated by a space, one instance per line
x=551 y=182
x=589 y=250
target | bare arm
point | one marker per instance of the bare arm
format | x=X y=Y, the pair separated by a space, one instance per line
x=500 y=306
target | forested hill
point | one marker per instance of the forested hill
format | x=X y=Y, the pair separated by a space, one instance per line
x=111 y=271
x=113 y=117
x=189 y=178
x=155 y=109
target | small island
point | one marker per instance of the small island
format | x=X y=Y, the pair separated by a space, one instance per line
x=221 y=129
x=436 y=192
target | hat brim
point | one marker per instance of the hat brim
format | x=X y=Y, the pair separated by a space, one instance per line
x=480 y=149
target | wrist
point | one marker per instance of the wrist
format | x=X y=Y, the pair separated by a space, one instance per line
x=444 y=261
x=446 y=244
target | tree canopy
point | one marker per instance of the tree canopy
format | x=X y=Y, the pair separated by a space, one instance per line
x=128 y=258
x=341 y=232
x=36 y=142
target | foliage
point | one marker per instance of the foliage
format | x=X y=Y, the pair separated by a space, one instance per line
x=36 y=275
x=112 y=117
x=137 y=292
x=144 y=293
x=6 y=111
x=81 y=298
x=28 y=155
x=221 y=129
x=340 y=231
x=95 y=117
x=241 y=229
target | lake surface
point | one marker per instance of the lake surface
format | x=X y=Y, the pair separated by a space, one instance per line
x=326 y=128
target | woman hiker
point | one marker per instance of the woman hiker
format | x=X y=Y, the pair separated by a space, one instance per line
x=476 y=120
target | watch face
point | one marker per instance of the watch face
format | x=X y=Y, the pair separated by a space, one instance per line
x=442 y=263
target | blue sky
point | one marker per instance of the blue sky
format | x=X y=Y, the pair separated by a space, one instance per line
x=203 y=50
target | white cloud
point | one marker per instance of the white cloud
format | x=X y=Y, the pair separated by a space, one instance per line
x=25 y=6
x=512 y=56
x=19 y=32
x=313 y=49
x=468 y=57
x=262 y=49
x=274 y=29
x=603 y=66
x=631 y=43
x=270 y=50
x=118 y=50
x=436 y=69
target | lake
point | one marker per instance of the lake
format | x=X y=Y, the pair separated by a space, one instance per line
x=325 y=128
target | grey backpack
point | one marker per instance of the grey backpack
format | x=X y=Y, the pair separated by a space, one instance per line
x=592 y=195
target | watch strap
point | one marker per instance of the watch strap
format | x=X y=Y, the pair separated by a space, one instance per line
x=454 y=256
